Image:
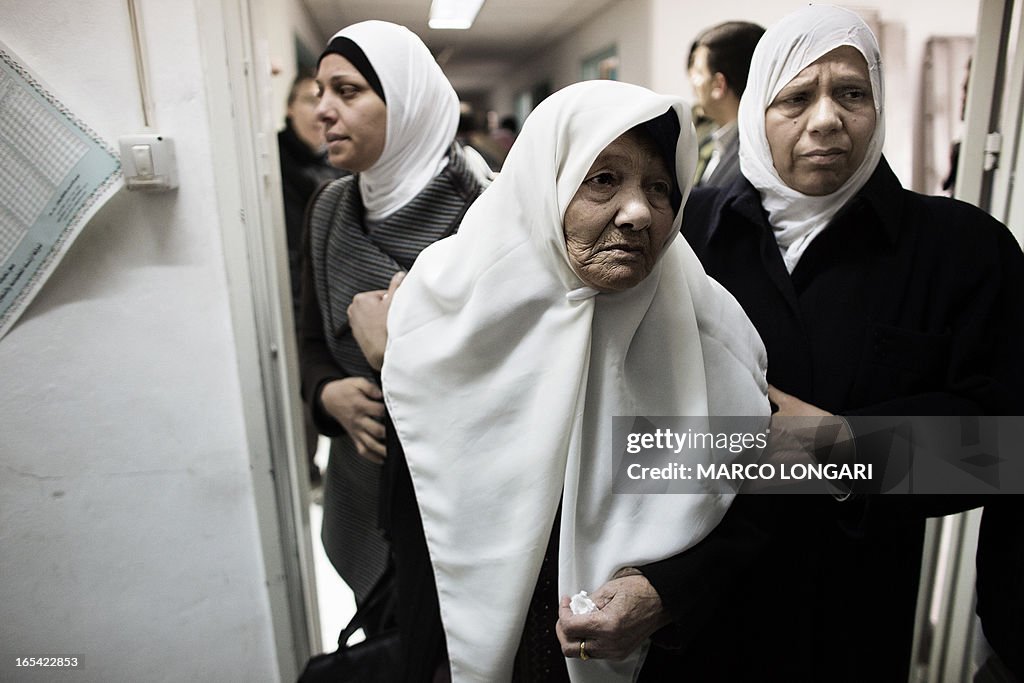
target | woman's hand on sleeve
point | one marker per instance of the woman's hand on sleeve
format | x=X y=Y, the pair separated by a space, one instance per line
x=358 y=404
x=368 y=317
x=629 y=611
x=801 y=432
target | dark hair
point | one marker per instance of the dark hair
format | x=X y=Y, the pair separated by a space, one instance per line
x=467 y=123
x=345 y=47
x=730 y=47
x=509 y=122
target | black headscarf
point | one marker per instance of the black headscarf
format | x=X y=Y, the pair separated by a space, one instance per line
x=353 y=53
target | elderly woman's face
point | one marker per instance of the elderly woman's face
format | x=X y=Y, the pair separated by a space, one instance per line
x=820 y=123
x=621 y=216
x=354 y=117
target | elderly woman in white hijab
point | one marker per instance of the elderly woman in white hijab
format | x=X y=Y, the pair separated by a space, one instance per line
x=565 y=299
x=871 y=300
x=390 y=117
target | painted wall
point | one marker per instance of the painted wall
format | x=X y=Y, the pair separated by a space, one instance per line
x=128 y=523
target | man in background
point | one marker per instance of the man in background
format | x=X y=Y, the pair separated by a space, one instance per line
x=718 y=66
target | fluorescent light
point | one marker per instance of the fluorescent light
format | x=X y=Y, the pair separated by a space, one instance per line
x=453 y=14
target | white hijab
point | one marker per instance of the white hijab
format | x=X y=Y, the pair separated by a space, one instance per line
x=422 y=115
x=786 y=49
x=503 y=372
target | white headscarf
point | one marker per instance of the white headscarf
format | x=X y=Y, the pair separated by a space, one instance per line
x=786 y=49
x=422 y=115
x=503 y=372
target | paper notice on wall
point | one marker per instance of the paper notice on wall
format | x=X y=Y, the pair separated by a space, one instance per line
x=55 y=173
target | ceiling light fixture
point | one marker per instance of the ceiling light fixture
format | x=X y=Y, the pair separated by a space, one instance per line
x=453 y=14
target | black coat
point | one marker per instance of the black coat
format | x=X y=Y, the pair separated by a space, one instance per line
x=728 y=168
x=904 y=305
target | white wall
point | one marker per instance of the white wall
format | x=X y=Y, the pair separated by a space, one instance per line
x=128 y=524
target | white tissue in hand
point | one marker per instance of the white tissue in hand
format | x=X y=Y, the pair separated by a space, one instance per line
x=582 y=604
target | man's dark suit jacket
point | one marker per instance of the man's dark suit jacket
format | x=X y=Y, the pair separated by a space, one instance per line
x=728 y=168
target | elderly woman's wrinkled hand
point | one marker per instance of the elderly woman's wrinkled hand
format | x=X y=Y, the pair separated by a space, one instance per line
x=358 y=404
x=629 y=611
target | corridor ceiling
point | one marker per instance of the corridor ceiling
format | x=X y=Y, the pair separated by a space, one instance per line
x=506 y=32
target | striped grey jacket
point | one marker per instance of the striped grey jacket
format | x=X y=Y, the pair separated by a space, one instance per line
x=345 y=259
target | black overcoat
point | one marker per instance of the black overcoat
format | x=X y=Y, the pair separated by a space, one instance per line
x=904 y=305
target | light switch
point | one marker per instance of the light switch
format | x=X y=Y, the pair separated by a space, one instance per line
x=148 y=162
x=143 y=160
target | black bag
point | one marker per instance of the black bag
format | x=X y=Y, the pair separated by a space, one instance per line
x=374 y=660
